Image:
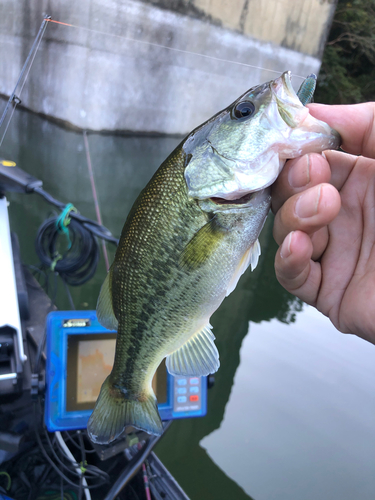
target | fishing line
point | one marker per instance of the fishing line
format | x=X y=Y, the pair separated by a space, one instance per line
x=153 y=44
x=95 y=196
x=15 y=99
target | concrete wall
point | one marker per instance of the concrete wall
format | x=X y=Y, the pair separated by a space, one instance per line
x=300 y=25
x=102 y=81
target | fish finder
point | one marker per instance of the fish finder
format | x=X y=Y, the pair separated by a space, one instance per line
x=80 y=354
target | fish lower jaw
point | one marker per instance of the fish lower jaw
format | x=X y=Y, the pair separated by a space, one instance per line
x=243 y=200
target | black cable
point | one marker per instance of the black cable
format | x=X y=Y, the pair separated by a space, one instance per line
x=72 y=306
x=83 y=461
x=80 y=487
x=51 y=462
x=77 y=263
x=54 y=293
x=92 y=226
x=134 y=465
x=91 y=470
x=34 y=270
x=58 y=460
x=90 y=473
x=38 y=358
x=62 y=488
x=76 y=444
x=46 y=456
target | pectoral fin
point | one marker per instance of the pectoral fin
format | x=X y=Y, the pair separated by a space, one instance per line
x=104 y=307
x=249 y=258
x=197 y=357
x=202 y=245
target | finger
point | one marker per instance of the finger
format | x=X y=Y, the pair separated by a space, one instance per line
x=355 y=123
x=295 y=270
x=319 y=241
x=342 y=165
x=297 y=175
x=308 y=211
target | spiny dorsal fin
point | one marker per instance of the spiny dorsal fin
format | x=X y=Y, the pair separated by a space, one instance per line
x=197 y=357
x=104 y=307
x=249 y=258
x=202 y=244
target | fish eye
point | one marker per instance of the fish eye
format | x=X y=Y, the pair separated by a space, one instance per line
x=244 y=110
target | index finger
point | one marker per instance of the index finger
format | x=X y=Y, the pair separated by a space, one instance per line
x=354 y=122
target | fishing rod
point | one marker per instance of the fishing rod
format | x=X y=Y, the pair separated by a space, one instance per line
x=14 y=98
x=86 y=228
x=305 y=90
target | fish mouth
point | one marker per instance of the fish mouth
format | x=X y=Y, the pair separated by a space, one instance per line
x=243 y=200
x=298 y=117
x=283 y=85
x=286 y=79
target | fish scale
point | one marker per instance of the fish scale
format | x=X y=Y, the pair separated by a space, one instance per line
x=188 y=238
x=151 y=266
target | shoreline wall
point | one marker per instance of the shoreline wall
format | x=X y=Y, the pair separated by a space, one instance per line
x=98 y=77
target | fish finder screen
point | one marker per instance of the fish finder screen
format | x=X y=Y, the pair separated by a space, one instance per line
x=90 y=359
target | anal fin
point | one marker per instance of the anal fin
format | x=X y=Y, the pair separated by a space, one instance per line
x=197 y=357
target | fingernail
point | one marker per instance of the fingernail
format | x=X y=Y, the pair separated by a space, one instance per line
x=324 y=156
x=285 y=247
x=299 y=173
x=307 y=203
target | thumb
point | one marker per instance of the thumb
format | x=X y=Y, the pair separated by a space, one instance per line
x=354 y=122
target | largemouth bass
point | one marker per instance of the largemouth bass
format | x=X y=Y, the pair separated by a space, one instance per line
x=190 y=235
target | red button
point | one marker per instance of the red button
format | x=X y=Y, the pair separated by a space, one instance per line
x=194 y=398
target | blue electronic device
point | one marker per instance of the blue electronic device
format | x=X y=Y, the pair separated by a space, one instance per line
x=80 y=354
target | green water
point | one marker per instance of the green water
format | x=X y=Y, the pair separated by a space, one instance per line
x=292 y=412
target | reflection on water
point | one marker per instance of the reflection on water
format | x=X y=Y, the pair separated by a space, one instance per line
x=300 y=414
x=292 y=412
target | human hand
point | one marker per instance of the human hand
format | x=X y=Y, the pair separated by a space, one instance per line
x=325 y=223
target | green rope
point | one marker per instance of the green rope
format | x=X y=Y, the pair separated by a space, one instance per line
x=82 y=466
x=56 y=259
x=63 y=221
x=3 y=473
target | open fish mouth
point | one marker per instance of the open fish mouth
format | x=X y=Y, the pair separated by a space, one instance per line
x=244 y=149
x=285 y=81
x=237 y=201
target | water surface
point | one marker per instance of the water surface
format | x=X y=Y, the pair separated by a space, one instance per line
x=292 y=412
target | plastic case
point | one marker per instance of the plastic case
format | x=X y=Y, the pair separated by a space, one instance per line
x=66 y=407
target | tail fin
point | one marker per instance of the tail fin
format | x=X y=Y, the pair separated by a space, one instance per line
x=113 y=412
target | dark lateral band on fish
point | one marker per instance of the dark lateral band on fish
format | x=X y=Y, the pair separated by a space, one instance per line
x=191 y=234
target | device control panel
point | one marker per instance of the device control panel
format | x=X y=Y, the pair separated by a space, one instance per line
x=187 y=394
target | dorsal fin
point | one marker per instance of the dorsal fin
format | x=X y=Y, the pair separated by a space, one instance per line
x=197 y=357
